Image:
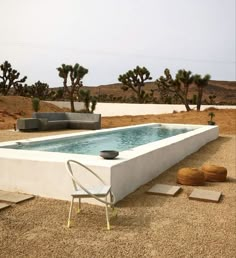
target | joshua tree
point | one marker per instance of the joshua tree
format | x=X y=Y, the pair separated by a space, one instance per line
x=21 y=90
x=201 y=83
x=89 y=101
x=165 y=86
x=75 y=74
x=9 y=78
x=135 y=80
x=39 y=90
x=59 y=94
x=185 y=79
x=177 y=88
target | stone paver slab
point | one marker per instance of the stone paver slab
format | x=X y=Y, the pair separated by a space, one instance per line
x=4 y=205
x=14 y=197
x=205 y=195
x=164 y=189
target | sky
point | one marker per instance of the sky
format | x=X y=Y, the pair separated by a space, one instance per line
x=110 y=37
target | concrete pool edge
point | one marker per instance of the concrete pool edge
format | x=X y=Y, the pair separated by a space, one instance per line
x=82 y=133
x=44 y=174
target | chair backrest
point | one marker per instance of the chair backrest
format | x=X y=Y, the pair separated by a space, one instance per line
x=75 y=181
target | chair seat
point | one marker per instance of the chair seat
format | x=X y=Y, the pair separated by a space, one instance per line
x=99 y=190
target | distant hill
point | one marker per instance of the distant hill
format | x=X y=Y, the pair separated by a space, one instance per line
x=225 y=91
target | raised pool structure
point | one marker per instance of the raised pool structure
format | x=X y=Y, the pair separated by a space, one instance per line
x=37 y=166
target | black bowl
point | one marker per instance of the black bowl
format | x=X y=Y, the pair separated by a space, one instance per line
x=109 y=154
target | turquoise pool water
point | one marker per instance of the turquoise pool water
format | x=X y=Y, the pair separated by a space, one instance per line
x=92 y=144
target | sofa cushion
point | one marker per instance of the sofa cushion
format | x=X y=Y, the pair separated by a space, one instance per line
x=60 y=124
x=81 y=124
x=51 y=116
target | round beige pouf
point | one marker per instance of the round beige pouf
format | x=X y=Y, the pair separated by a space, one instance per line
x=214 y=173
x=190 y=176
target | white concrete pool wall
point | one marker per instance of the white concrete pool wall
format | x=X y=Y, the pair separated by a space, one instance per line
x=44 y=174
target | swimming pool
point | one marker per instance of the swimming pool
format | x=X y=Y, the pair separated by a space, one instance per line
x=43 y=173
x=120 y=140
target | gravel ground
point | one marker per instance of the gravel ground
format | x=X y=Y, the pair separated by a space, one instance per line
x=146 y=225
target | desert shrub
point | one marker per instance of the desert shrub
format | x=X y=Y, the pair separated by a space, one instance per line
x=36 y=104
x=90 y=102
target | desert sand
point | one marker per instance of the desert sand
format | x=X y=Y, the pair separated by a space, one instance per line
x=146 y=225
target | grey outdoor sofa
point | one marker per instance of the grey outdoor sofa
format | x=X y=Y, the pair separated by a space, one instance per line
x=60 y=120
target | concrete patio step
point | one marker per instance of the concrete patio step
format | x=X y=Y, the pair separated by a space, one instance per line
x=4 y=205
x=205 y=195
x=12 y=197
x=164 y=189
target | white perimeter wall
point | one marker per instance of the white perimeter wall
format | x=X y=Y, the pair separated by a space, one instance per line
x=122 y=109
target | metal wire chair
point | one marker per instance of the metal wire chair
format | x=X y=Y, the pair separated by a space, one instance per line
x=100 y=192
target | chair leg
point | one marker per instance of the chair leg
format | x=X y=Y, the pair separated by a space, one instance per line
x=111 y=199
x=114 y=211
x=71 y=207
x=107 y=218
x=79 y=209
x=107 y=215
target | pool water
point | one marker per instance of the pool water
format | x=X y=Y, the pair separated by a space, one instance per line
x=92 y=144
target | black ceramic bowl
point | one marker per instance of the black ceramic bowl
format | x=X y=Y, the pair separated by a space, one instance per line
x=109 y=154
